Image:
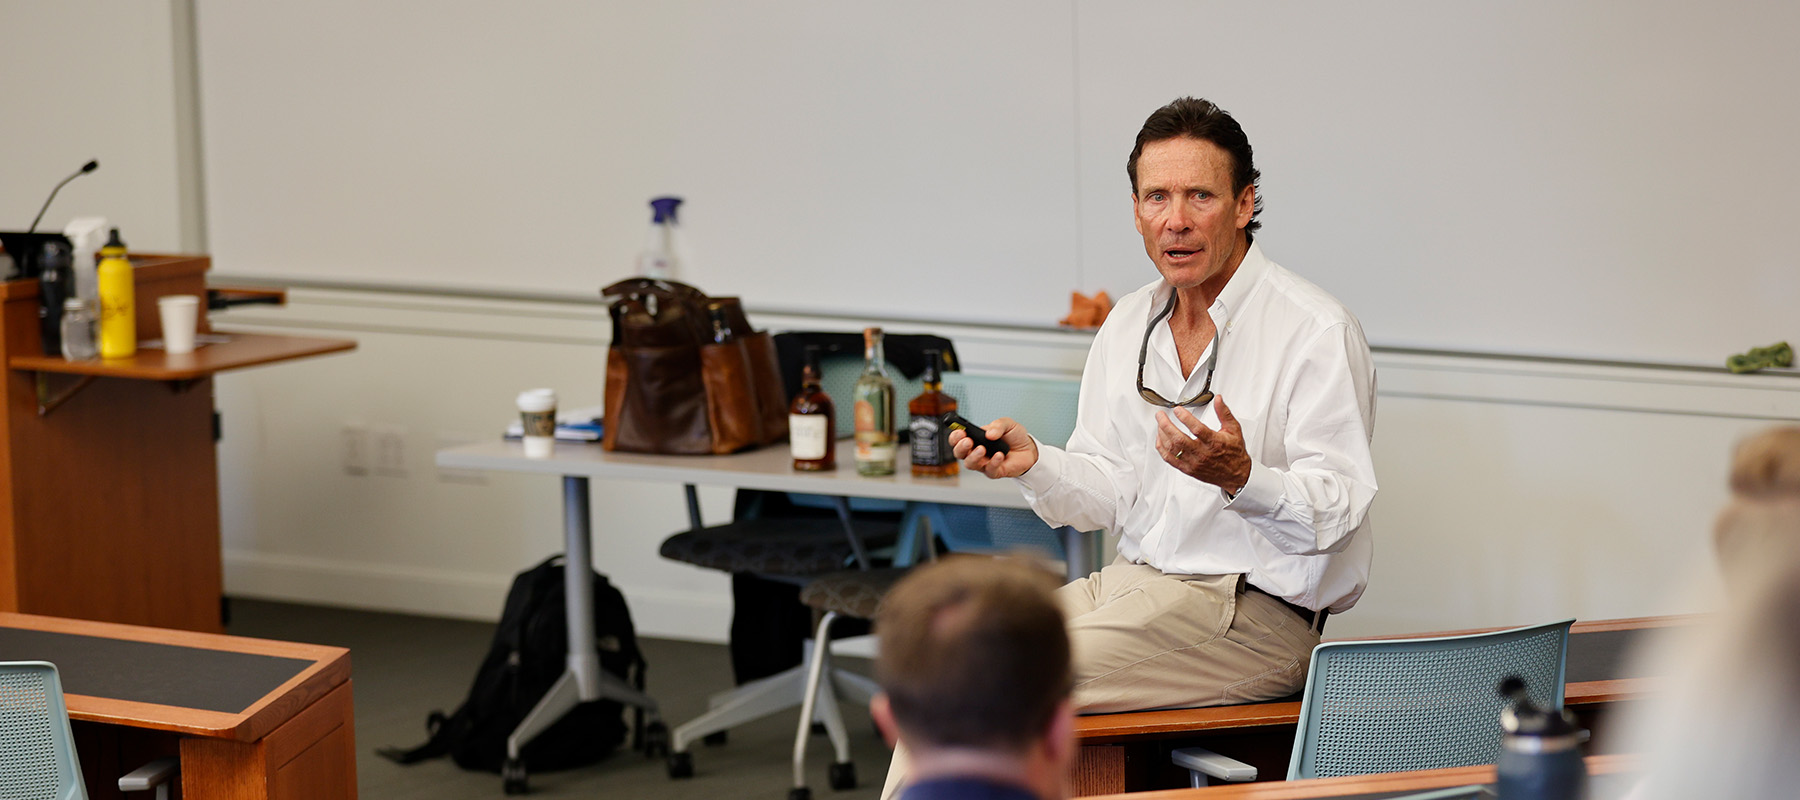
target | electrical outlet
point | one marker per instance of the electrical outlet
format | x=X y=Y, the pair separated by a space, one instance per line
x=390 y=450
x=353 y=446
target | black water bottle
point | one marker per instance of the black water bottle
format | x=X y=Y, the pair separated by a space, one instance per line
x=1540 y=750
x=56 y=284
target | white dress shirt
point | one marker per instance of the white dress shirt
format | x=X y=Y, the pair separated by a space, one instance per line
x=1294 y=369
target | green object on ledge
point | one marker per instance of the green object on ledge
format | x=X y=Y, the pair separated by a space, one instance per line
x=1778 y=354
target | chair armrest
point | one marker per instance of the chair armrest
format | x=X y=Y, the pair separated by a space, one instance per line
x=149 y=776
x=1201 y=761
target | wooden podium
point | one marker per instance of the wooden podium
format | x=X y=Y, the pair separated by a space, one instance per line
x=109 y=487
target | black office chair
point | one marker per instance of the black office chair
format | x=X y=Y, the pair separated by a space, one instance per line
x=789 y=539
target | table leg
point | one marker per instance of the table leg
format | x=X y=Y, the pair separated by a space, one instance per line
x=842 y=505
x=583 y=680
x=1079 y=546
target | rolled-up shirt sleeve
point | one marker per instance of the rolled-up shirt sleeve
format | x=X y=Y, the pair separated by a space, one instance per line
x=1314 y=504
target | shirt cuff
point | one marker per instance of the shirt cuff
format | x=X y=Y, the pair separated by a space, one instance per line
x=1045 y=474
x=1260 y=495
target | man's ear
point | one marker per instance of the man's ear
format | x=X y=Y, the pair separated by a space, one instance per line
x=1136 y=221
x=1059 y=737
x=1246 y=205
x=883 y=712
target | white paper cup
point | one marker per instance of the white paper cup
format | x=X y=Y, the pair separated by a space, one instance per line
x=537 y=410
x=180 y=318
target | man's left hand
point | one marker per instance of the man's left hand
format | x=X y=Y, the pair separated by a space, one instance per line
x=1216 y=457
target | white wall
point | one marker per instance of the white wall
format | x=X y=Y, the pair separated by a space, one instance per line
x=1537 y=176
x=89 y=79
x=1511 y=490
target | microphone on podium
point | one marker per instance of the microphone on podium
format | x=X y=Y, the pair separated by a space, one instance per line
x=85 y=169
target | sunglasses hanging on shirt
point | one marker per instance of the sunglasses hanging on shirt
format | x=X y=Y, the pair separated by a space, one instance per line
x=1150 y=396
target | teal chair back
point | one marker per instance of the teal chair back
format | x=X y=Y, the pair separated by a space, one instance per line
x=1408 y=704
x=37 y=749
x=1476 y=792
x=837 y=377
x=1046 y=407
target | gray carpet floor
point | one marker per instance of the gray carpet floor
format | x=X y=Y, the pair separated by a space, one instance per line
x=403 y=667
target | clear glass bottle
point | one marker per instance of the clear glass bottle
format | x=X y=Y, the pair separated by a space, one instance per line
x=77 y=331
x=874 y=410
x=930 y=444
x=812 y=421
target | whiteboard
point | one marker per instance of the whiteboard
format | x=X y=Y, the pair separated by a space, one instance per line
x=1593 y=179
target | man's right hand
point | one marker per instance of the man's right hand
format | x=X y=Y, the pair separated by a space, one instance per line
x=1023 y=450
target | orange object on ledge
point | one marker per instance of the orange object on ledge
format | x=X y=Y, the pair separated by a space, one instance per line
x=1086 y=313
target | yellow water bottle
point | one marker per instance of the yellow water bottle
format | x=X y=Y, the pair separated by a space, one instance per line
x=118 y=307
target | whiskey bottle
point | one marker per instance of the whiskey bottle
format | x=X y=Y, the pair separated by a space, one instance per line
x=930 y=442
x=812 y=424
x=874 y=410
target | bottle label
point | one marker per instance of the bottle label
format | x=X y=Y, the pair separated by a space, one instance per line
x=927 y=441
x=806 y=436
x=872 y=443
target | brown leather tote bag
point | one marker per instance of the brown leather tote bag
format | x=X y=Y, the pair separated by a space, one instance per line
x=687 y=375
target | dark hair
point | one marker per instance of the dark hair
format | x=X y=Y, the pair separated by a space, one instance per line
x=974 y=653
x=1200 y=119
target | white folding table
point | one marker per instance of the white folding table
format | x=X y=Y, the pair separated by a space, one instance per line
x=768 y=468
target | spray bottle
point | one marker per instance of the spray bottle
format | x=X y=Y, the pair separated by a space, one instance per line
x=661 y=258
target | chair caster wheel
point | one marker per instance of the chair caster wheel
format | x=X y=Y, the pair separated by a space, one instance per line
x=843 y=776
x=656 y=740
x=512 y=777
x=681 y=765
x=715 y=738
x=799 y=793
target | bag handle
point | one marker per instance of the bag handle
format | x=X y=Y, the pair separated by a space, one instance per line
x=658 y=288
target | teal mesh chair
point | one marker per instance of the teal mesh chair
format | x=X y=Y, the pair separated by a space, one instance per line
x=1456 y=793
x=1046 y=407
x=1394 y=705
x=37 y=749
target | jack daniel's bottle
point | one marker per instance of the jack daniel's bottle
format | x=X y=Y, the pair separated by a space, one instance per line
x=930 y=442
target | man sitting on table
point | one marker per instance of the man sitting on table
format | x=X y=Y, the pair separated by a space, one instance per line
x=974 y=673
x=1223 y=433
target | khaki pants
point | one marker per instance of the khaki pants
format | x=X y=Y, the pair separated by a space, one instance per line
x=1145 y=640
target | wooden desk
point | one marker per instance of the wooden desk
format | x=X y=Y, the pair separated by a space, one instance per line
x=250 y=719
x=1372 y=786
x=109 y=488
x=1122 y=752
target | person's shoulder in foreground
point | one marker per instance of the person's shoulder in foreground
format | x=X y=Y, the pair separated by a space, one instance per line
x=975 y=680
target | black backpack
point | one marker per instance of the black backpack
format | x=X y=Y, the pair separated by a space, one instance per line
x=528 y=654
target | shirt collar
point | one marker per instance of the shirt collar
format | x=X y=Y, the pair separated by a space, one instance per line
x=1237 y=291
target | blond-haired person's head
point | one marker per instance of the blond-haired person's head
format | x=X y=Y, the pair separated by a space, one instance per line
x=1759 y=527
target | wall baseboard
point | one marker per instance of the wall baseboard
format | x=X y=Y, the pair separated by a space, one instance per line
x=405 y=589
